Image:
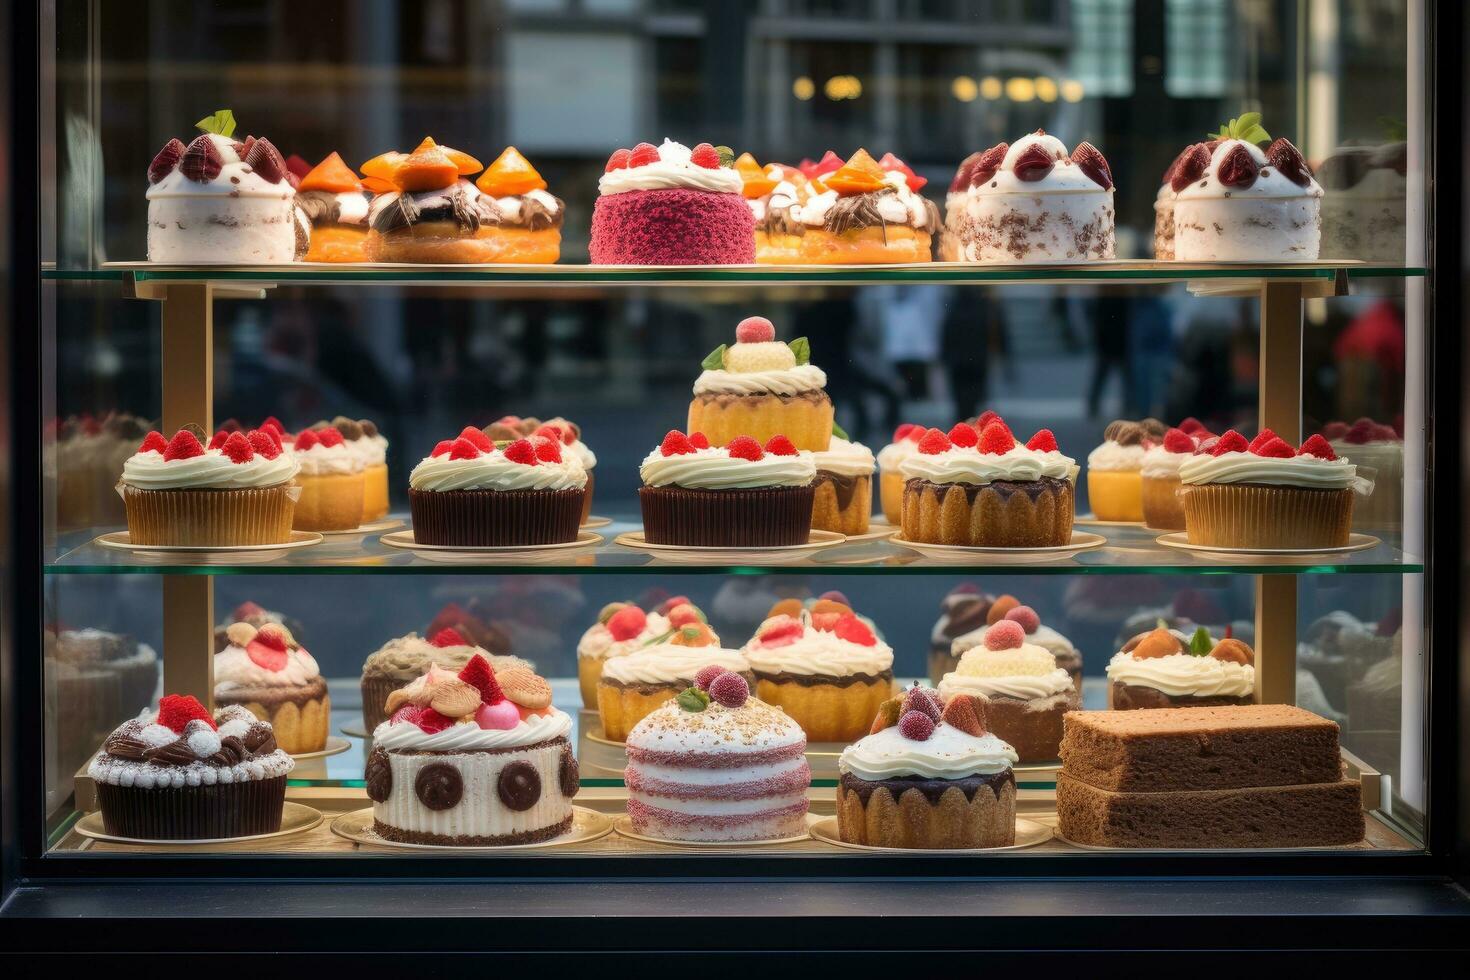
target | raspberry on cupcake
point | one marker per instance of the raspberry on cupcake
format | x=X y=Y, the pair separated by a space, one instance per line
x=1159 y=471
x=762 y=387
x=509 y=428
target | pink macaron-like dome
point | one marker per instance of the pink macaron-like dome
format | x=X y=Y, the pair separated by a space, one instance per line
x=675 y=226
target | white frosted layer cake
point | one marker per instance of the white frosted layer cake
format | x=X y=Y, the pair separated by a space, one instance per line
x=1235 y=202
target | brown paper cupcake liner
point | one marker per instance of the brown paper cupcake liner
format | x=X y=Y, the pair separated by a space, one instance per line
x=193 y=812
x=1244 y=515
x=495 y=518
x=210 y=518
x=763 y=517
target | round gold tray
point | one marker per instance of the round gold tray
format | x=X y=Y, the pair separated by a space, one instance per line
x=1029 y=833
x=386 y=524
x=587 y=825
x=624 y=827
x=689 y=554
x=594 y=522
x=122 y=541
x=1081 y=541
x=1180 y=540
x=334 y=746
x=295 y=818
x=475 y=554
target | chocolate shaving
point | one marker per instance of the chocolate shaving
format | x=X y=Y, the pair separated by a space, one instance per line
x=1124 y=433
x=855 y=212
x=175 y=753
x=121 y=746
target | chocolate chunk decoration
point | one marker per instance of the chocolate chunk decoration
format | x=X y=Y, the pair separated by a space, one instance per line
x=379 y=776
x=175 y=753
x=439 y=786
x=350 y=429
x=1153 y=428
x=966 y=615
x=1124 y=433
x=569 y=774
x=369 y=428
x=257 y=737
x=520 y=786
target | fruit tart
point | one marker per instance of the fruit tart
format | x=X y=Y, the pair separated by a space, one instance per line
x=864 y=212
x=336 y=203
x=760 y=386
x=265 y=671
x=633 y=685
x=1166 y=668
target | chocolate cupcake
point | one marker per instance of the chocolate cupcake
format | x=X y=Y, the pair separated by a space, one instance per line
x=509 y=428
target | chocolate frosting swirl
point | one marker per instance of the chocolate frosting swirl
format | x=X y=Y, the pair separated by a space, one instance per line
x=1124 y=433
x=125 y=746
x=175 y=753
x=231 y=751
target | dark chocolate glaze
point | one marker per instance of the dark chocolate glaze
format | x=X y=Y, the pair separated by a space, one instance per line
x=1005 y=488
x=932 y=789
x=842 y=485
x=812 y=680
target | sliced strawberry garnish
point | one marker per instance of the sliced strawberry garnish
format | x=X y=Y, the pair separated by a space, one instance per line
x=829 y=164
x=477 y=438
x=643 y=154
x=175 y=711
x=699 y=440
x=1287 y=159
x=266 y=160
x=464 y=449
x=1262 y=437
x=409 y=713
x=997 y=438
x=618 y=161
x=237 y=448
x=744 y=447
x=779 y=445
x=184 y=445
x=963 y=435
x=1230 y=442
x=934 y=443
x=154 y=442
x=547 y=450
x=521 y=451
x=477 y=674
x=1189 y=167
x=782 y=634
x=431 y=721
x=448 y=637
x=1277 y=448
x=1178 y=441
x=854 y=630
x=167 y=159
x=892 y=164
x=306 y=438
x=986 y=166
x=330 y=437
x=1238 y=169
x=264 y=444
x=1318 y=447
x=201 y=162
x=1042 y=442
x=705 y=156
x=1089 y=160
x=1034 y=163
x=962 y=172
x=675 y=443
x=267 y=651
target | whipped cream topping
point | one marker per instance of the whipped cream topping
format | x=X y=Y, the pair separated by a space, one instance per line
x=666 y=663
x=1160 y=464
x=1298 y=471
x=845 y=458
x=791 y=381
x=892 y=456
x=1029 y=672
x=493 y=471
x=321 y=459
x=816 y=653
x=754 y=728
x=510 y=207
x=1272 y=184
x=1183 y=674
x=468 y=735
x=716 y=469
x=966 y=464
x=895 y=204
x=672 y=169
x=598 y=643
x=406 y=658
x=234 y=670
x=1114 y=457
x=1045 y=637
x=947 y=754
x=583 y=452
x=212 y=471
x=1065 y=177
x=235 y=179
x=371 y=450
x=343 y=207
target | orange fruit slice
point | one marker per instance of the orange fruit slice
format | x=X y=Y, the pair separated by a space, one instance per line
x=859 y=175
x=379 y=186
x=755 y=182
x=467 y=164
x=510 y=175
x=331 y=175
x=383 y=165
x=428 y=168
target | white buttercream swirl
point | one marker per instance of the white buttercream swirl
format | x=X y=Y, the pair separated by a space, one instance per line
x=1027 y=687
x=321 y=459
x=598 y=643
x=892 y=456
x=212 y=471
x=966 y=464
x=817 y=653
x=845 y=458
x=715 y=469
x=1160 y=464
x=947 y=754
x=233 y=670
x=583 y=452
x=1184 y=675
x=467 y=735
x=671 y=170
x=1114 y=457
x=790 y=381
x=493 y=471
x=371 y=451
x=1297 y=471
x=666 y=663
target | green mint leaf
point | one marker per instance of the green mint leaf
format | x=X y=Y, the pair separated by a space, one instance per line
x=692 y=699
x=715 y=361
x=1200 y=643
x=221 y=123
x=838 y=431
x=727 y=156
x=802 y=349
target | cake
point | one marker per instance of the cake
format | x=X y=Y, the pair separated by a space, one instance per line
x=1166 y=668
x=364 y=441
x=843 y=498
x=890 y=469
x=761 y=387
x=1164 y=213
x=81 y=457
x=1380 y=448
x=264 y=670
x=181 y=774
x=257 y=616
x=622 y=628
x=333 y=481
x=471 y=491
x=954 y=208
x=1027 y=692
x=1159 y=472
x=477 y=758
x=1365 y=216
x=1264 y=494
x=509 y=428
x=964 y=610
x=825 y=667
x=928 y=777
x=987 y=490
x=405 y=659
x=1032 y=201
x=1234 y=202
x=1247 y=776
x=1009 y=608
x=669 y=205
x=633 y=685
x=717 y=765
x=179 y=493
x=740 y=496
x=426 y=209
x=770 y=192
x=1115 y=469
x=222 y=201
x=336 y=204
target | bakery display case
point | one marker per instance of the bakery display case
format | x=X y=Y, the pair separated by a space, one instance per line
x=782 y=442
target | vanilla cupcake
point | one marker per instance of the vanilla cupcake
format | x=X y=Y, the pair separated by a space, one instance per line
x=843 y=501
x=1114 y=469
x=1028 y=692
x=761 y=387
x=361 y=437
x=1008 y=607
x=333 y=481
x=633 y=685
x=890 y=469
x=268 y=672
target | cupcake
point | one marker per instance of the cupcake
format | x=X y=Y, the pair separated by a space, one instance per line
x=717 y=765
x=824 y=667
x=336 y=204
x=890 y=469
x=761 y=387
x=1028 y=692
x=471 y=492
x=1365 y=216
x=987 y=490
x=1234 y=202
x=1007 y=608
x=362 y=439
x=1032 y=201
x=221 y=201
x=928 y=777
x=843 y=499
x=333 y=481
x=1166 y=668
x=1379 y=448
x=739 y=496
x=1114 y=469
x=1264 y=494
x=179 y=493
x=634 y=684
x=1159 y=473
x=622 y=628
x=509 y=428
x=404 y=659
x=669 y=205
x=267 y=672
x=255 y=615
x=864 y=212
x=964 y=610
x=180 y=774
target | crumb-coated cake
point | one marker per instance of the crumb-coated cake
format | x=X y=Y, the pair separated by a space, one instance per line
x=1239 y=776
x=475 y=758
x=716 y=764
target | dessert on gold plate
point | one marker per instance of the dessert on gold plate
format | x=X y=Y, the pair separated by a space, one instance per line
x=1166 y=668
x=964 y=610
x=890 y=469
x=1159 y=471
x=333 y=481
x=1114 y=469
x=509 y=428
x=1008 y=607
x=928 y=777
x=761 y=387
x=363 y=440
x=336 y=202
x=843 y=499
x=265 y=670
x=623 y=628
x=634 y=684
x=404 y=659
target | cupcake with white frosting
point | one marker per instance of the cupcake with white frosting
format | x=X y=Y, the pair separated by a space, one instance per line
x=890 y=469
x=843 y=500
x=621 y=629
x=1159 y=473
x=265 y=670
x=761 y=387
x=1166 y=668
x=1115 y=469
x=633 y=685
x=1008 y=607
x=1377 y=450
x=333 y=481
x=362 y=438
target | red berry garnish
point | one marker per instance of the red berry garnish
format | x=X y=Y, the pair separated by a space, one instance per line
x=1026 y=617
x=431 y=721
x=201 y=162
x=627 y=623
x=1005 y=635
x=268 y=651
x=618 y=161
x=168 y=158
x=553 y=432
x=699 y=440
x=1288 y=160
x=705 y=156
x=448 y=637
x=177 y=710
x=264 y=444
x=1042 y=442
x=707 y=675
x=237 y=448
x=463 y=449
x=782 y=634
x=854 y=630
x=675 y=443
x=477 y=439
x=477 y=674
x=997 y=438
x=643 y=154
x=1238 y=169
x=1335 y=430
x=892 y=164
x=183 y=445
x=1230 y=442
x=330 y=437
x=1191 y=425
x=1089 y=160
x=986 y=417
x=218 y=439
x=271 y=422
x=547 y=450
x=153 y=442
x=934 y=442
x=1277 y=448
x=1034 y=163
x=408 y=712
x=963 y=435
x=1176 y=441
x=266 y=160
x=962 y=172
x=916 y=726
x=906 y=430
x=1262 y=437
x=1190 y=167
x=521 y=451
x=441 y=447
x=779 y=445
x=922 y=701
x=305 y=439
x=985 y=167
x=755 y=330
x=744 y=447
x=1361 y=432
x=1318 y=447
x=729 y=689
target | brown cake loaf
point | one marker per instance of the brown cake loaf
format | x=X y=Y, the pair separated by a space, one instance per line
x=1161 y=749
x=1319 y=814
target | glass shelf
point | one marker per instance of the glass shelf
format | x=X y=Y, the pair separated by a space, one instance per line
x=1129 y=551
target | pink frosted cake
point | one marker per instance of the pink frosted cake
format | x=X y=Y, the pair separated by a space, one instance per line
x=716 y=764
x=669 y=205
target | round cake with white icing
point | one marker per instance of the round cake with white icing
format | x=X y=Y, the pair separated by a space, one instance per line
x=1167 y=668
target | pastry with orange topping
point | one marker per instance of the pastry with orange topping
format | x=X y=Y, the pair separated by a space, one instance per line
x=427 y=210
x=865 y=212
x=337 y=203
x=770 y=192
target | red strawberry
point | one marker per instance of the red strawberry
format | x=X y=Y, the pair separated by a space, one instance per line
x=441 y=447
x=183 y=446
x=934 y=443
x=744 y=447
x=675 y=444
x=306 y=438
x=699 y=440
x=779 y=445
x=409 y=712
x=463 y=449
x=477 y=438
x=854 y=630
x=996 y=438
x=755 y=330
x=643 y=154
x=985 y=167
x=1288 y=160
x=1317 y=446
x=521 y=451
x=168 y=158
x=176 y=711
x=297 y=167
x=618 y=161
x=477 y=674
x=890 y=164
x=268 y=650
x=667 y=606
x=986 y=417
x=905 y=430
x=963 y=435
x=432 y=721
x=1190 y=167
x=237 y=448
x=627 y=623
x=1238 y=169
x=448 y=637
x=781 y=635
x=330 y=437
x=1034 y=163
x=962 y=172
x=1191 y=425
x=829 y=164
x=153 y=442
x=1043 y=442
x=218 y=439
x=1089 y=160
x=1177 y=441
x=201 y=162
x=263 y=443
x=1361 y=432
x=1262 y=437
x=1335 y=430
x=547 y=450
x=553 y=432
x=705 y=156
x=265 y=159
x=1277 y=448
x=1230 y=442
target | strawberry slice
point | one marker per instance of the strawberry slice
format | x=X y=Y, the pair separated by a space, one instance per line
x=1189 y=167
x=781 y=635
x=267 y=651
